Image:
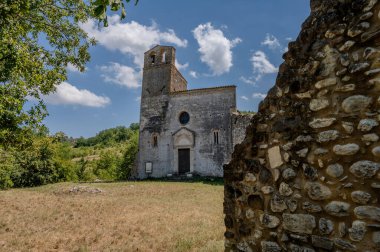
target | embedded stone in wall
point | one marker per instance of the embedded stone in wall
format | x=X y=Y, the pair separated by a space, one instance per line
x=274 y=156
x=360 y=197
x=337 y=208
x=326 y=226
x=356 y=103
x=269 y=221
x=268 y=246
x=346 y=150
x=325 y=83
x=321 y=122
x=364 y=169
x=317 y=191
x=322 y=242
x=318 y=104
x=345 y=245
x=327 y=136
x=368 y=212
x=334 y=170
x=299 y=223
x=376 y=151
x=367 y=124
x=376 y=238
x=278 y=204
x=358 y=230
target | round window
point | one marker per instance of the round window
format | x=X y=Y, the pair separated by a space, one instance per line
x=184 y=118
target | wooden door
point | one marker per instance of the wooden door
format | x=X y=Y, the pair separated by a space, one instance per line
x=183 y=161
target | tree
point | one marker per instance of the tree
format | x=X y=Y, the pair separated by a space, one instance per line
x=38 y=39
x=129 y=158
x=100 y=8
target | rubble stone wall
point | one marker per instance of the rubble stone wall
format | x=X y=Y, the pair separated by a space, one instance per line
x=307 y=175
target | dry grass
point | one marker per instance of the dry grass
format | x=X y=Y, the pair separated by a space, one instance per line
x=141 y=216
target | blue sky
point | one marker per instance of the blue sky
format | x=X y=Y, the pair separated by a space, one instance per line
x=218 y=42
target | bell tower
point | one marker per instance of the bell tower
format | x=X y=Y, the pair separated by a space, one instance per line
x=160 y=76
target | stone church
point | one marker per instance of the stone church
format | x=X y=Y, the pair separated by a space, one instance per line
x=184 y=131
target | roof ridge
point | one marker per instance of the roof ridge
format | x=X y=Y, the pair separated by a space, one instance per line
x=202 y=89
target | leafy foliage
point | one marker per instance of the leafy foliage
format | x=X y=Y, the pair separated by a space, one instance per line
x=100 y=8
x=129 y=158
x=53 y=159
x=109 y=136
x=38 y=39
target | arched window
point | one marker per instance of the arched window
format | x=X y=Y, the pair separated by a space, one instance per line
x=216 y=136
x=163 y=57
x=155 y=140
x=152 y=58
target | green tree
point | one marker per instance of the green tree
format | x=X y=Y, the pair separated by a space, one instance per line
x=38 y=39
x=125 y=169
x=100 y=8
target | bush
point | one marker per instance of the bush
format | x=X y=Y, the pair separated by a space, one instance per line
x=6 y=168
x=107 y=165
x=36 y=166
x=129 y=158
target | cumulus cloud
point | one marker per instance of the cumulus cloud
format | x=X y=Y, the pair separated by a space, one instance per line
x=260 y=66
x=215 y=48
x=249 y=80
x=181 y=66
x=70 y=67
x=271 y=41
x=68 y=94
x=131 y=38
x=258 y=95
x=122 y=75
x=193 y=74
x=244 y=98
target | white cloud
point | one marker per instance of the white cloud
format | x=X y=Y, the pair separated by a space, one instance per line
x=249 y=80
x=258 y=95
x=271 y=41
x=122 y=75
x=244 y=98
x=70 y=67
x=193 y=74
x=68 y=94
x=261 y=65
x=131 y=38
x=181 y=66
x=215 y=48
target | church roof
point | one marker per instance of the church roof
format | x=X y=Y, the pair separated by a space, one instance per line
x=204 y=89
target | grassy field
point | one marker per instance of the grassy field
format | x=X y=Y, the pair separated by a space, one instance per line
x=131 y=216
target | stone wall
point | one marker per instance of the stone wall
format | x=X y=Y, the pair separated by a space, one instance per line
x=239 y=124
x=306 y=177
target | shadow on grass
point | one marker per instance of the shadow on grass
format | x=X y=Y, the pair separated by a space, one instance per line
x=204 y=180
x=197 y=179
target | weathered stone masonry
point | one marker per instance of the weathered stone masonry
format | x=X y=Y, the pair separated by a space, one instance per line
x=306 y=177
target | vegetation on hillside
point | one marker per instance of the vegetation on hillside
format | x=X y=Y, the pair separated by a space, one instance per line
x=110 y=155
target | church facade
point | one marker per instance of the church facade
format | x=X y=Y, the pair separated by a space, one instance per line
x=184 y=131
